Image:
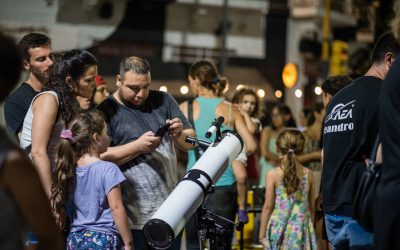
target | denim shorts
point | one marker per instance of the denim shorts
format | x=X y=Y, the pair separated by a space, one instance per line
x=93 y=240
x=346 y=233
x=31 y=238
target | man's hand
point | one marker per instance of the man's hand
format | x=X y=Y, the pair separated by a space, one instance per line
x=148 y=142
x=175 y=128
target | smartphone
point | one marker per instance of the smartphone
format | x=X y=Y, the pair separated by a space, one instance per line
x=162 y=130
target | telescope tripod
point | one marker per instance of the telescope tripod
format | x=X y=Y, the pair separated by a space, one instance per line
x=214 y=231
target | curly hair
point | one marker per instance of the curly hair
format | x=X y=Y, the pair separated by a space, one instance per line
x=333 y=84
x=71 y=63
x=238 y=98
x=289 y=143
x=83 y=127
x=207 y=73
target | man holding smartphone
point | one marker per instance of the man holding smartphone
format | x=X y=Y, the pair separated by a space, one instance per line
x=133 y=114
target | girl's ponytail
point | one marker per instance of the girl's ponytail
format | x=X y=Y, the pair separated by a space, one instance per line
x=290 y=179
x=289 y=143
x=76 y=141
x=63 y=175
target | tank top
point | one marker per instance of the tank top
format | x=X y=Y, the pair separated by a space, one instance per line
x=26 y=133
x=12 y=225
x=207 y=107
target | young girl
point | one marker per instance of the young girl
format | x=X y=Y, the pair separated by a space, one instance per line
x=91 y=185
x=249 y=107
x=270 y=158
x=286 y=216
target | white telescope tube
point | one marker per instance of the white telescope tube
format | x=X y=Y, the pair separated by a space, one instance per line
x=191 y=191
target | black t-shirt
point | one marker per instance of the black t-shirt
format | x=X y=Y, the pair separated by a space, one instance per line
x=16 y=106
x=151 y=177
x=389 y=127
x=350 y=129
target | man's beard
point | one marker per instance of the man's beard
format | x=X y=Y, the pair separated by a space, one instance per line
x=42 y=77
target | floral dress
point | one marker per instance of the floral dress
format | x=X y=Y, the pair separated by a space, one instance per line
x=290 y=225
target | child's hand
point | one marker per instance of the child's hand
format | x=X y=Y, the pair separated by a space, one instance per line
x=241 y=111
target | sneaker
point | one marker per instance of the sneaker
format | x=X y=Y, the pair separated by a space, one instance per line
x=242 y=216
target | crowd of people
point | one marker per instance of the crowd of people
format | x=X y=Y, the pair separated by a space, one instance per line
x=89 y=171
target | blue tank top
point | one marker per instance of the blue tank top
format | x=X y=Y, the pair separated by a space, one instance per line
x=207 y=115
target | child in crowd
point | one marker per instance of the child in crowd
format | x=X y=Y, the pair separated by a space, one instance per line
x=101 y=92
x=306 y=118
x=98 y=219
x=249 y=106
x=289 y=197
x=279 y=122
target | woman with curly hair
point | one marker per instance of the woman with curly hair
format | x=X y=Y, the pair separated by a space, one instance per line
x=22 y=198
x=73 y=74
x=289 y=197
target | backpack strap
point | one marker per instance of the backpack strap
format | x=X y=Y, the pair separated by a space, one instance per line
x=190 y=117
x=375 y=148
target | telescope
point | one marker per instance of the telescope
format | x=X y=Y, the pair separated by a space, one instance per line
x=172 y=216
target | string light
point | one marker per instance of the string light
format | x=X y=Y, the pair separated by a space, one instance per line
x=318 y=90
x=261 y=93
x=298 y=93
x=278 y=94
x=164 y=89
x=184 y=89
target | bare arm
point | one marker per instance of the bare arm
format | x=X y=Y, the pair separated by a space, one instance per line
x=124 y=153
x=269 y=202
x=268 y=155
x=251 y=126
x=308 y=157
x=119 y=215
x=311 y=194
x=45 y=110
x=180 y=141
x=20 y=178
x=322 y=158
x=190 y=132
x=184 y=108
x=247 y=137
x=379 y=156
